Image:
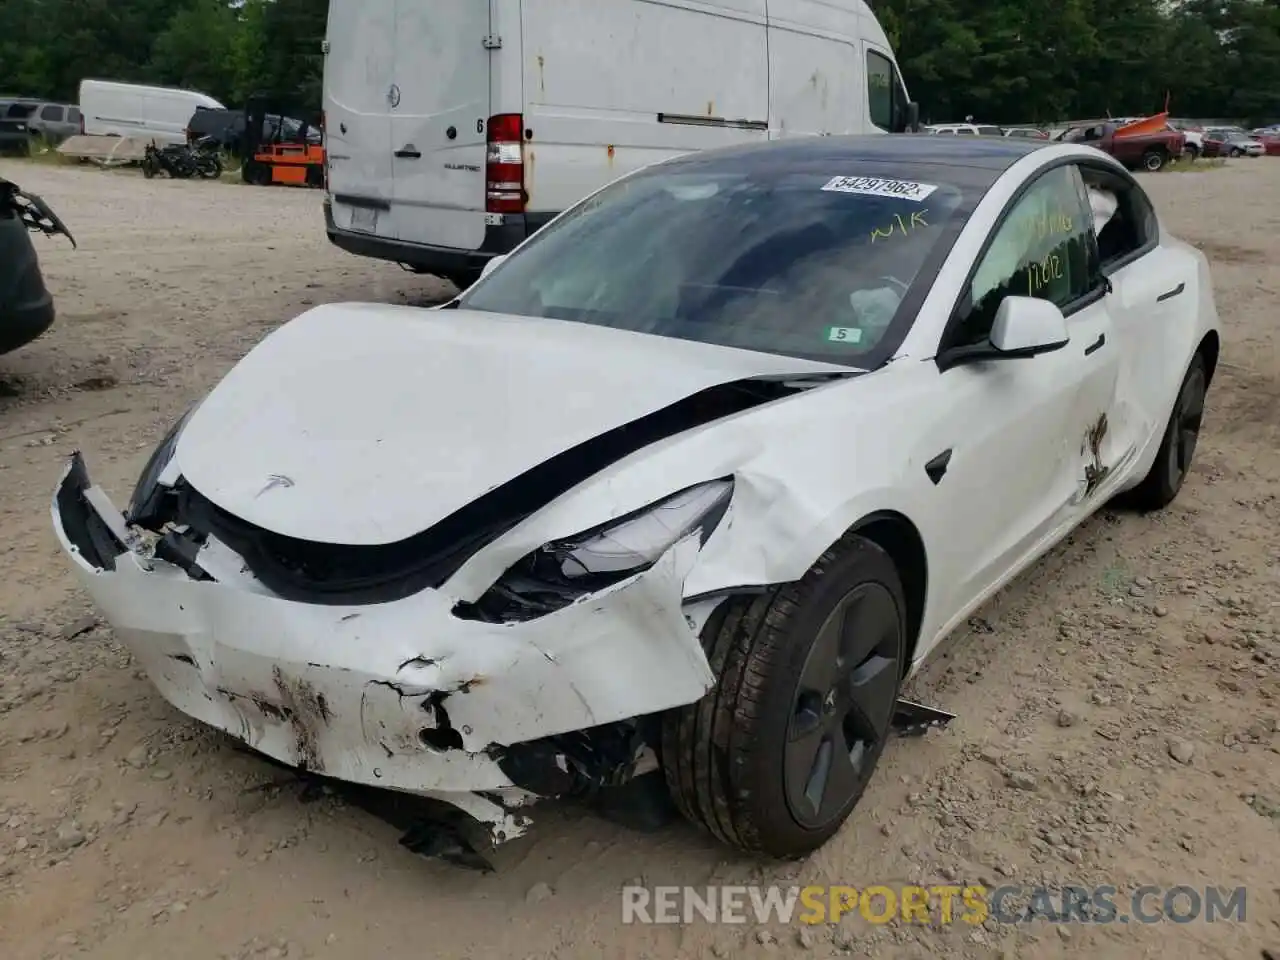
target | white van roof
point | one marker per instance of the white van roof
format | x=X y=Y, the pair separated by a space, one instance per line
x=195 y=95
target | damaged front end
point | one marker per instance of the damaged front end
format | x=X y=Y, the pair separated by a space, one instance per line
x=352 y=663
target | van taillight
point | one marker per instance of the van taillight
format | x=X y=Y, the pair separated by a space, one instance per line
x=504 y=164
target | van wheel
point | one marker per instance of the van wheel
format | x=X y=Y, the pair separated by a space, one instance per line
x=1153 y=160
x=776 y=756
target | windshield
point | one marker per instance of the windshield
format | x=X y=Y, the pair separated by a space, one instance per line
x=794 y=263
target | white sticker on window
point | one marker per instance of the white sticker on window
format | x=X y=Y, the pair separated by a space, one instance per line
x=844 y=334
x=879 y=187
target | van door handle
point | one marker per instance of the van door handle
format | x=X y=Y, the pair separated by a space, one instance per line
x=408 y=153
x=1096 y=345
x=1170 y=294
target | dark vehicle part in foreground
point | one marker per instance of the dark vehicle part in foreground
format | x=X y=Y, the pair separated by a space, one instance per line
x=279 y=149
x=182 y=161
x=26 y=307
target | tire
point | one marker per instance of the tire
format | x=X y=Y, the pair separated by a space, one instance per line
x=733 y=760
x=1192 y=152
x=1177 y=447
x=255 y=174
x=1154 y=160
x=210 y=167
x=1236 y=152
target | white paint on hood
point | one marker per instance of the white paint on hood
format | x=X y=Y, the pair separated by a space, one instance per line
x=366 y=424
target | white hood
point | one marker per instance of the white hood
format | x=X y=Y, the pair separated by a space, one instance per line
x=365 y=424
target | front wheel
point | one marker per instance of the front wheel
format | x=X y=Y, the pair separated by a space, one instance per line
x=1236 y=152
x=1181 y=434
x=1153 y=160
x=1192 y=152
x=776 y=756
x=209 y=167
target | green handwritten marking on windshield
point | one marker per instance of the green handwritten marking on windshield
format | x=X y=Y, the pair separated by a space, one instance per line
x=849 y=335
x=900 y=225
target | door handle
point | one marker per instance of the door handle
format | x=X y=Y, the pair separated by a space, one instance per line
x=408 y=154
x=1170 y=294
x=1096 y=345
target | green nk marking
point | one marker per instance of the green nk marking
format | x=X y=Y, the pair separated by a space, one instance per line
x=849 y=335
x=900 y=225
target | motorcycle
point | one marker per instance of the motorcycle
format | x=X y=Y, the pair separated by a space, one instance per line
x=26 y=306
x=182 y=161
x=208 y=157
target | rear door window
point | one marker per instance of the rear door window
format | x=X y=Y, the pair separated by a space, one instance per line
x=53 y=114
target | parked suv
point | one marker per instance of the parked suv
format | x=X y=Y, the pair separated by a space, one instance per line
x=227 y=128
x=224 y=126
x=55 y=121
x=15 y=136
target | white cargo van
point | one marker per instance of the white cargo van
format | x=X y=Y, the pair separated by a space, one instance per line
x=455 y=128
x=137 y=110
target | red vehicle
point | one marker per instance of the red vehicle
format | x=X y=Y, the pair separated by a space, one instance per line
x=1231 y=142
x=1146 y=151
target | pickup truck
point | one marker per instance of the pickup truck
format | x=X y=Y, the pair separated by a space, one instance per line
x=1145 y=151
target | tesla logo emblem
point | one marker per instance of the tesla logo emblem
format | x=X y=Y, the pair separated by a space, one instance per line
x=393 y=96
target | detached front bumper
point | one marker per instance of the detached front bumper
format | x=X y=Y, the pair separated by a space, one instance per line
x=400 y=695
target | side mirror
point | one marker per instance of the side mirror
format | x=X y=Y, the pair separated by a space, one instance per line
x=1028 y=327
x=491 y=265
x=913 y=117
x=1023 y=327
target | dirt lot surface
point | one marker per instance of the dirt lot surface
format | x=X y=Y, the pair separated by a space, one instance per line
x=1118 y=705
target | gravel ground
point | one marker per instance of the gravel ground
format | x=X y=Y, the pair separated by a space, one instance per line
x=1117 y=705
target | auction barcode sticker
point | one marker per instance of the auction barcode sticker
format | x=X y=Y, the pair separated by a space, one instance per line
x=880 y=187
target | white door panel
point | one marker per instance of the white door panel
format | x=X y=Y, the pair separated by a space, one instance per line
x=1090 y=425
x=357 y=76
x=439 y=100
x=1148 y=299
x=1011 y=473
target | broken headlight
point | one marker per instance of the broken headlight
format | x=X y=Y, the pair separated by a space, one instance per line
x=147 y=493
x=559 y=572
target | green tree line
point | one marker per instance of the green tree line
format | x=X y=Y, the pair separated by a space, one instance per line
x=1010 y=61
x=999 y=60
x=225 y=48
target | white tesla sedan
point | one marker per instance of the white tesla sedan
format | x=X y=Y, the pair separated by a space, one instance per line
x=693 y=480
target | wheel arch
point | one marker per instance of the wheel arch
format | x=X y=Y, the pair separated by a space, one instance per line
x=1208 y=348
x=896 y=535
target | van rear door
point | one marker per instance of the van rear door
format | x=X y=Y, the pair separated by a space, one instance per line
x=439 y=113
x=358 y=66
